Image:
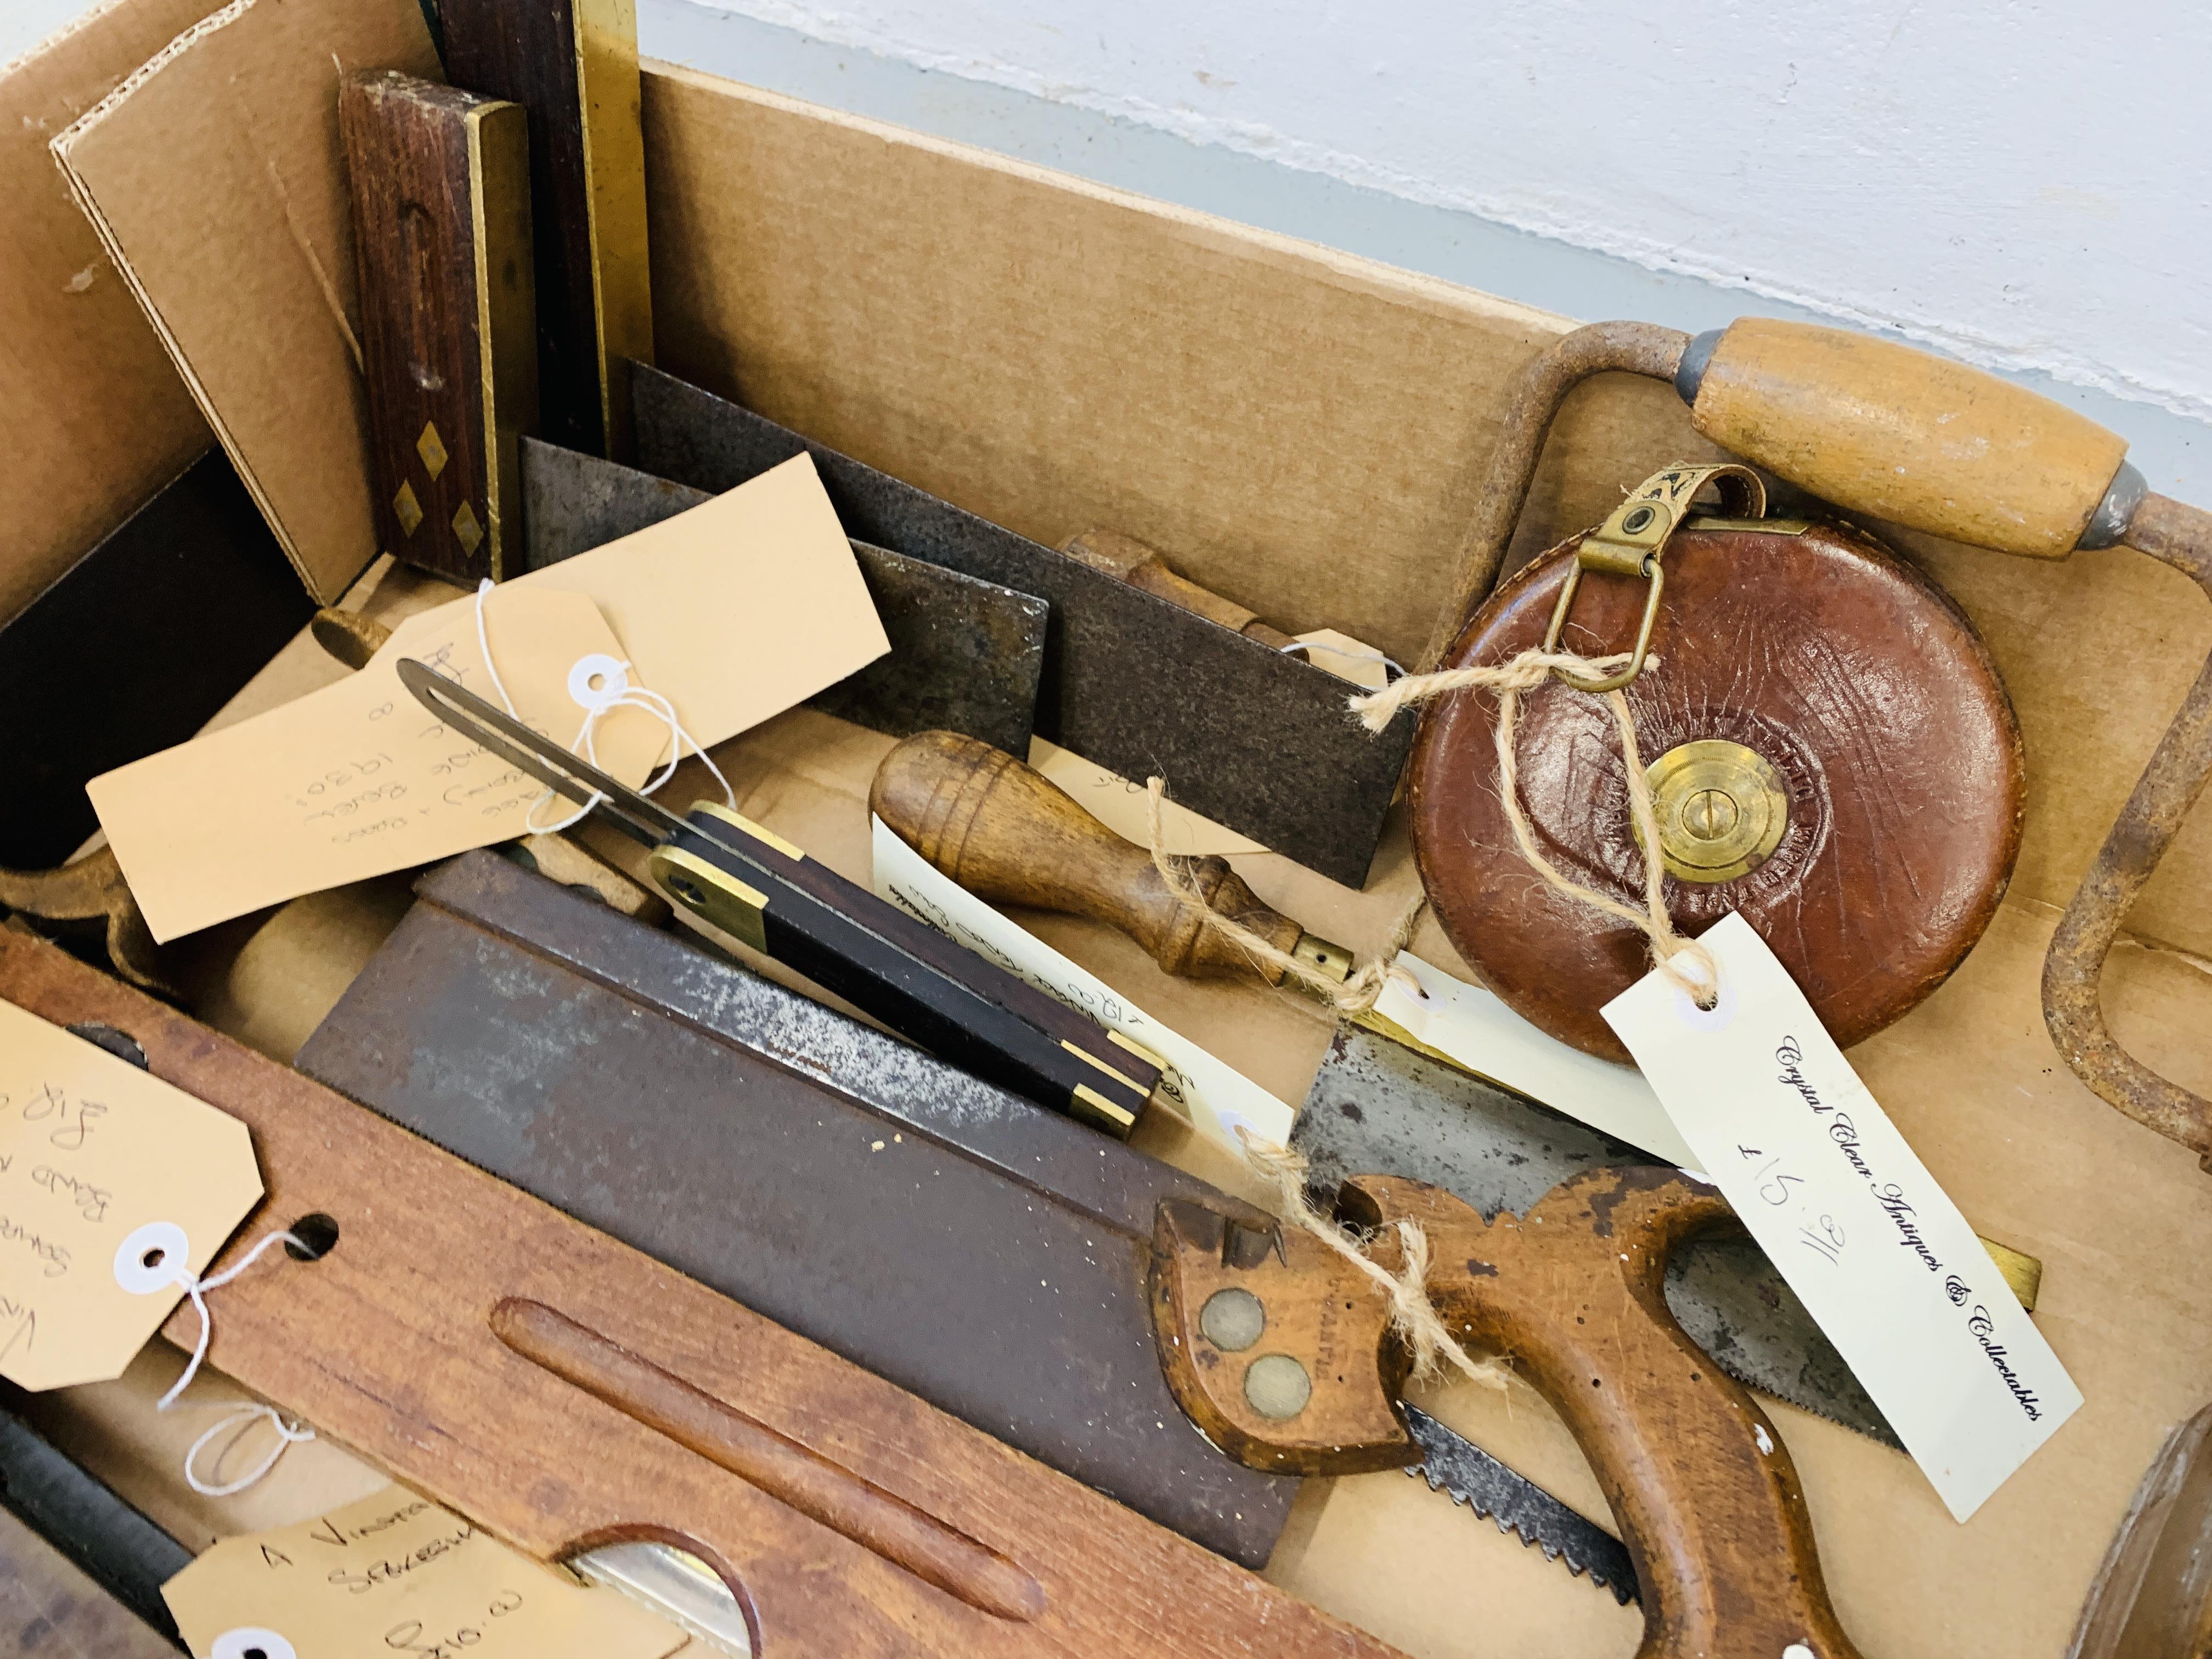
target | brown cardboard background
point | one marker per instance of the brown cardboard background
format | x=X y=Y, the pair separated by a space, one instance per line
x=93 y=418
x=216 y=176
x=1052 y=354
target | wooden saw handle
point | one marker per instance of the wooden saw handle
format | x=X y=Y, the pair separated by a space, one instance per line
x=1010 y=836
x=1141 y=565
x=1879 y=427
x=1574 y=1292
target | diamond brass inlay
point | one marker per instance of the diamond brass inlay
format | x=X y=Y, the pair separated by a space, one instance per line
x=409 y=509
x=466 y=529
x=432 y=452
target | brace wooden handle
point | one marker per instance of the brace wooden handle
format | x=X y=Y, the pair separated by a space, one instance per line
x=1702 y=1489
x=1010 y=836
x=1879 y=427
x=1144 y=566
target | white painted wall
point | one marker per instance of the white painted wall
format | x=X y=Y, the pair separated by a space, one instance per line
x=2028 y=185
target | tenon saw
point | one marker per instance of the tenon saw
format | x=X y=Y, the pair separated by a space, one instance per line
x=990 y=1257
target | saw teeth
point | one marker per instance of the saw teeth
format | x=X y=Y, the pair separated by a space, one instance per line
x=1526 y=1510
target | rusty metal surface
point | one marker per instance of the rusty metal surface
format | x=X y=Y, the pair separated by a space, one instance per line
x=1250 y=737
x=965 y=655
x=939 y=1232
x=1377 y=1105
x=2180 y=767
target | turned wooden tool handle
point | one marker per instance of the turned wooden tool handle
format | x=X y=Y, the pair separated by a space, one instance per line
x=1010 y=836
x=1879 y=427
x=1143 y=566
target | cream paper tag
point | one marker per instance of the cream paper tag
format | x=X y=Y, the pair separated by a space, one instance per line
x=396 y=1574
x=359 y=778
x=1119 y=806
x=110 y=1182
x=735 y=611
x=1213 y=1097
x=1878 y=1253
x=1472 y=1028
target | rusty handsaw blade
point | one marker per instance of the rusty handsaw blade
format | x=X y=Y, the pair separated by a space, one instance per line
x=1378 y=1104
x=761 y=889
x=965 y=654
x=1467 y=1474
x=990 y=1257
x=1249 y=737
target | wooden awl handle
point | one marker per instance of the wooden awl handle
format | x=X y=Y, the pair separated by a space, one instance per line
x=1879 y=427
x=1574 y=1293
x=1010 y=836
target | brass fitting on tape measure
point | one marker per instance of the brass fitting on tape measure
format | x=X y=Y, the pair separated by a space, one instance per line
x=1722 y=809
x=1631 y=541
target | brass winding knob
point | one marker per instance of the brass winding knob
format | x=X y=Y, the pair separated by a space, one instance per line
x=1721 y=810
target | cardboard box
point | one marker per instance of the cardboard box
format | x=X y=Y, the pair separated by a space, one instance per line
x=1054 y=355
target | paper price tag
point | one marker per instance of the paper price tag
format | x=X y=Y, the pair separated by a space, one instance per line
x=359 y=778
x=1879 y=1254
x=1212 y=1096
x=395 y=1573
x=735 y=611
x=110 y=1182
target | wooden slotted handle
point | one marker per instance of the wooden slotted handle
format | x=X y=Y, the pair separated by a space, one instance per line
x=1010 y=836
x=1882 y=428
x=1573 y=1292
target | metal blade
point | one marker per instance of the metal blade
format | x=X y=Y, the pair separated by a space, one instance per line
x=1455 y=1465
x=567 y=775
x=1377 y=1106
x=966 y=655
x=988 y=1256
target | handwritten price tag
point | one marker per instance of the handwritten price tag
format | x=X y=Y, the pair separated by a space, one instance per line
x=394 y=1573
x=1877 y=1252
x=110 y=1181
x=359 y=778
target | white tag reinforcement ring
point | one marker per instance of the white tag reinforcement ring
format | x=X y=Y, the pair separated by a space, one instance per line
x=251 y=1642
x=1718 y=1017
x=156 y=1257
x=612 y=678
